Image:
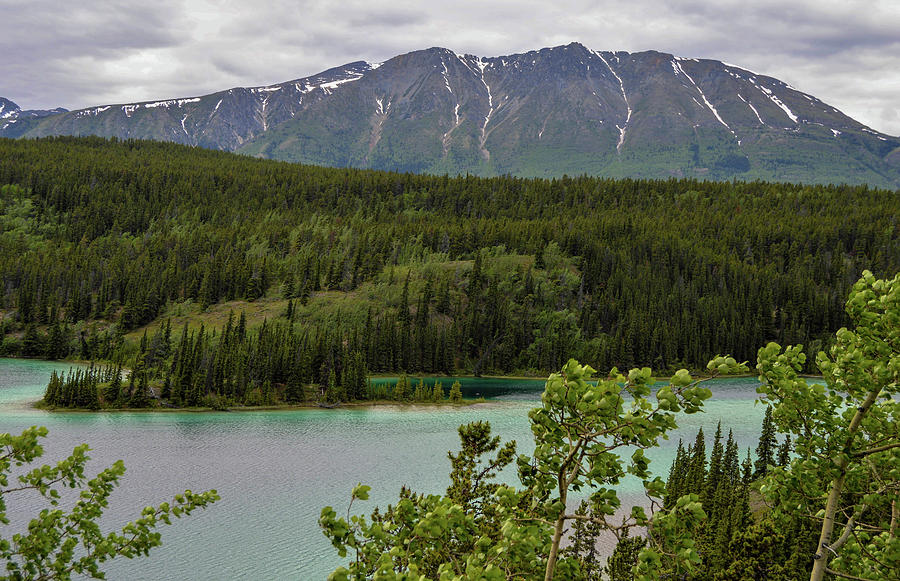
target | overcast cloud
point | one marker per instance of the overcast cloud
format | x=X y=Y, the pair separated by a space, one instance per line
x=845 y=52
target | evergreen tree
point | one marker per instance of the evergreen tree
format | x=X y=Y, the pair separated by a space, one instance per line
x=716 y=468
x=421 y=394
x=140 y=395
x=56 y=342
x=112 y=395
x=696 y=476
x=333 y=393
x=437 y=394
x=624 y=557
x=784 y=452
x=456 y=392
x=402 y=390
x=293 y=389
x=52 y=394
x=583 y=545
x=765 y=450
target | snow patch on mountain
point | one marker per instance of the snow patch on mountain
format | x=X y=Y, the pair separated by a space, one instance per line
x=774 y=98
x=169 y=103
x=875 y=133
x=702 y=95
x=624 y=97
x=445 y=72
x=8 y=109
x=752 y=108
x=93 y=112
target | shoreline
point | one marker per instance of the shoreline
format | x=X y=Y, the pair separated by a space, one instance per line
x=35 y=405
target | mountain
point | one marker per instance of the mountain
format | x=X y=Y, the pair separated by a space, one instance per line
x=15 y=122
x=562 y=110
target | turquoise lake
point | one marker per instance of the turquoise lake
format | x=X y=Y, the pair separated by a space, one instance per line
x=275 y=470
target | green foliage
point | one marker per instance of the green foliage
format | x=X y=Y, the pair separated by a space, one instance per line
x=437 y=393
x=620 y=565
x=487 y=530
x=765 y=450
x=846 y=435
x=62 y=544
x=105 y=237
x=725 y=491
x=456 y=392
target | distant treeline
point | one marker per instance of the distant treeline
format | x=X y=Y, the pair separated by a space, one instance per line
x=424 y=274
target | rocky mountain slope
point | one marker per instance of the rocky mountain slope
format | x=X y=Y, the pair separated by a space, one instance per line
x=563 y=110
x=14 y=121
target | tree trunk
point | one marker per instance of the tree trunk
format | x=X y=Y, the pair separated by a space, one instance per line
x=834 y=495
x=554 y=549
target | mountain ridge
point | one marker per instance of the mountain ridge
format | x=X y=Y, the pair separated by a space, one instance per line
x=544 y=113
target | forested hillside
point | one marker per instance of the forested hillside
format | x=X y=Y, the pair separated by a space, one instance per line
x=420 y=273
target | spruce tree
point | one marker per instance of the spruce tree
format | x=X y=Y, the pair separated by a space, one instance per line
x=765 y=450
x=293 y=389
x=402 y=390
x=113 y=392
x=784 y=452
x=715 y=467
x=456 y=392
x=140 y=395
x=696 y=476
x=675 y=484
x=624 y=557
x=437 y=394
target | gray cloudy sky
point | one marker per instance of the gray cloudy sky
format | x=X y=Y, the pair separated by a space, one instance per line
x=94 y=52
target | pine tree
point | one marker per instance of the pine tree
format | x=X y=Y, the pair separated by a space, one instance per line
x=332 y=391
x=420 y=394
x=675 y=484
x=784 y=452
x=113 y=392
x=437 y=395
x=402 y=390
x=583 y=544
x=405 y=327
x=293 y=389
x=696 y=476
x=52 y=393
x=715 y=468
x=624 y=557
x=140 y=395
x=747 y=469
x=765 y=450
x=456 y=392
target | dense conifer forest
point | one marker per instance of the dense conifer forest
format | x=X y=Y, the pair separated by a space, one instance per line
x=104 y=242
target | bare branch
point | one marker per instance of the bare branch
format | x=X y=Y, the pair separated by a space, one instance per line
x=846 y=576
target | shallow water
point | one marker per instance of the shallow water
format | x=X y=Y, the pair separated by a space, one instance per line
x=275 y=470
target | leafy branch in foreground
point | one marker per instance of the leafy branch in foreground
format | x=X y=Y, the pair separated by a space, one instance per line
x=488 y=530
x=846 y=472
x=57 y=543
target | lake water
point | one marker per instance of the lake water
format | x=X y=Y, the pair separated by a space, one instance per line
x=275 y=470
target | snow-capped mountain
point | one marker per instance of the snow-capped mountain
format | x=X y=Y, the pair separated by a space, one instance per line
x=11 y=114
x=563 y=110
